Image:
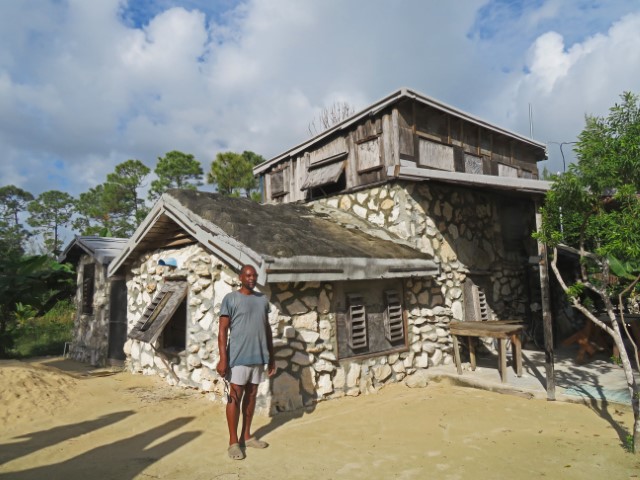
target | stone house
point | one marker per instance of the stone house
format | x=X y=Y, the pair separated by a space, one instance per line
x=99 y=329
x=372 y=237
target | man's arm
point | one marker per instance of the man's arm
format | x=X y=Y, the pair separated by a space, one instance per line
x=223 y=335
x=271 y=368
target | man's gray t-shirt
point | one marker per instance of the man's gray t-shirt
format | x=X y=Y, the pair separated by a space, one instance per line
x=248 y=328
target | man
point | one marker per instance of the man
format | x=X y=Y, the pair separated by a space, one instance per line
x=246 y=346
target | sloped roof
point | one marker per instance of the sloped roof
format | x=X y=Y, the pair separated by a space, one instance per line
x=285 y=242
x=103 y=249
x=393 y=98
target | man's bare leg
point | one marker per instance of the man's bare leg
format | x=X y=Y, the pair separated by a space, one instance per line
x=248 y=407
x=233 y=411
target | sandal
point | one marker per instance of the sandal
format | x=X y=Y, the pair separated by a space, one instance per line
x=235 y=452
x=253 y=442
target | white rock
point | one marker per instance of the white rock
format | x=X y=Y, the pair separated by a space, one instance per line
x=308 y=321
x=325 y=386
x=353 y=377
x=382 y=372
x=339 y=379
x=310 y=338
x=304 y=359
x=418 y=380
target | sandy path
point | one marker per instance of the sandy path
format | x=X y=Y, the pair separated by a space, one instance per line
x=61 y=425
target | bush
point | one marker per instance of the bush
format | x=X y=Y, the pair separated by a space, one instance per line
x=45 y=335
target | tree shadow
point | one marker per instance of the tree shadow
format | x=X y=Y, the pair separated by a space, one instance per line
x=122 y=460
x=44 y=438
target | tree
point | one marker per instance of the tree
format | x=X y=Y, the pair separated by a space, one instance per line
x=51 y=211
x=115 y=207
x=121 y=192
x=330 y=116
x=232 y=173
x=175 y=170
x=13 y=201
x=595 y=208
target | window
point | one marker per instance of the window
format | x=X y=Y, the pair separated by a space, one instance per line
x=436 y=155
x=166 y=314
x=369 y=318
x=88 y=287
x=473 y=164
x=368 y=155
x=278 y=183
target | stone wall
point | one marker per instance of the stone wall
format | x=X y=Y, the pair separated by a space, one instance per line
x=91 y=332
x=462 y=229
x=303 y=323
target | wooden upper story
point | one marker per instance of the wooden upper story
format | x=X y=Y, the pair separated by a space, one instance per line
x=404 y=132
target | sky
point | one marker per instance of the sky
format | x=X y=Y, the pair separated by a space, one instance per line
x=86 y=85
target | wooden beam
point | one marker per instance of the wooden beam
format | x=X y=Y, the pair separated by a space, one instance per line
x=546 y=311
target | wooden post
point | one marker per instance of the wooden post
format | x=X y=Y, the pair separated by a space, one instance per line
x=546 y=311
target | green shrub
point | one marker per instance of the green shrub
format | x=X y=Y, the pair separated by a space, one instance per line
x=45 y=335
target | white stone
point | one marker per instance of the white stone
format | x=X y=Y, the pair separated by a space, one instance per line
x=393 y=358
x=429 y=347
x=325 y=330
x=308 y=321
x=310 y=338
x=308 y=380
x=283 y=352
x=360 y=211
x=323 y=366
x=362 y=197
x=457 y=311
x=324 y=304
x=382 y=372
x=398 y=367
x=296 y=307
x=419 y=379
x=194 y=361
x=422 y=360
x=339 y=379
x=311 y=302
x=377 y=218
x=207 y=321
x=325 y=386
x=353 y=377
x=304 y=359
x=288 y=332
x=435 y=359
x=146 y=359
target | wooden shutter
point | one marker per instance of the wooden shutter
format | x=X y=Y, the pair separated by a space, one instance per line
x=159 y=312
x=357 y=323
x=393 y=321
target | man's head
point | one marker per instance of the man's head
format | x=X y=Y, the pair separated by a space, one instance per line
x=248 y=278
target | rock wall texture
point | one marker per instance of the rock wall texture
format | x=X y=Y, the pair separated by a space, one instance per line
x=462 y=229
x=91 y=332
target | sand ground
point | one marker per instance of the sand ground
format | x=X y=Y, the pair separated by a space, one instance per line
x=60 y=420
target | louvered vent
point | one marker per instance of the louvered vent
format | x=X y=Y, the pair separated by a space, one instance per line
x=393 y=321
x=483 y=307
x=154 y=308
x=357 y=323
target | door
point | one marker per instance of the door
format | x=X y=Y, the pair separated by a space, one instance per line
x=117 y=320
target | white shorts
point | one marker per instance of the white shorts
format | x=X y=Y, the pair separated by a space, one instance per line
x=243 y=374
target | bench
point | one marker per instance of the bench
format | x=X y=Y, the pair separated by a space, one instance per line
x=502 y=330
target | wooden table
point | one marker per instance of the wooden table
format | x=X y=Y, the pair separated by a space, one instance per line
x=503 y=330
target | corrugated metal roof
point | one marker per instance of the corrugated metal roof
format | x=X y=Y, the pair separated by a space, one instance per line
x=103 y=249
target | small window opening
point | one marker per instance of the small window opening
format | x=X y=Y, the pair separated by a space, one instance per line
x=88 y=288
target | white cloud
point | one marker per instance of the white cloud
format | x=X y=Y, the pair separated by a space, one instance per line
x=82 y=88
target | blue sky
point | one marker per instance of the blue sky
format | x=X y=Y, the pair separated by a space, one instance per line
x=85 y=85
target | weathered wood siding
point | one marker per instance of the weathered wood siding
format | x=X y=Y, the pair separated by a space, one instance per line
x=408 y=132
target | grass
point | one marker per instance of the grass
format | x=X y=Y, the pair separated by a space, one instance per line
x=45 y=335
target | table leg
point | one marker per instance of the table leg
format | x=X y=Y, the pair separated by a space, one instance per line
x=456 y=354
x=516 y=352
x=503 y=359
x=472 y=353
